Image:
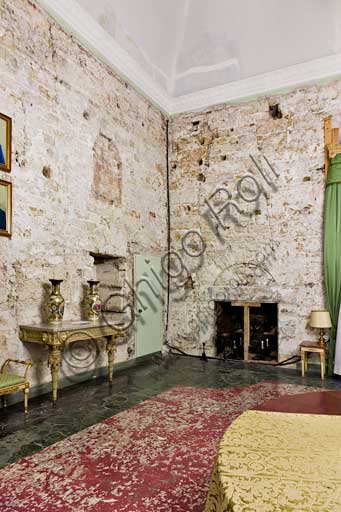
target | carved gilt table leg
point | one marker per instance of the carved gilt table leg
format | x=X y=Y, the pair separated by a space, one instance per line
x=54 y=359
x=111 y=349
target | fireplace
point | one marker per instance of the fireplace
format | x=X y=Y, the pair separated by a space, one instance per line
x=247 y=330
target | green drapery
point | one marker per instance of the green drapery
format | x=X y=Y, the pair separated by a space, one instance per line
x=332 y=249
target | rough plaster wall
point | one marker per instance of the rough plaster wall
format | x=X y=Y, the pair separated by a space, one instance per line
x=211 y=149
x=88 y=173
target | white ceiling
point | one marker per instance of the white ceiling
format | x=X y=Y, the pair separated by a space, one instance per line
x=183 y=48
x=189 y=45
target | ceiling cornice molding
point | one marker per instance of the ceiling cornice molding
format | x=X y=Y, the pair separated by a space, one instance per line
x=71 y=16
x=93 y=37
x=260 y=85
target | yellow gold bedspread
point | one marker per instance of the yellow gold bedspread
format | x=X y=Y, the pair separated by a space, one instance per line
x=270 y=461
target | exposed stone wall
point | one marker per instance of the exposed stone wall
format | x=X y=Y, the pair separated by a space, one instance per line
x=88 y=173
x=89 y=176
x=272 y=251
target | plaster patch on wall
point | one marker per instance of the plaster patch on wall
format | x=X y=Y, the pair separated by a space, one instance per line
x=107 y=180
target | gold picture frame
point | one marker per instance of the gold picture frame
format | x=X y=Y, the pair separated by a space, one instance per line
x=5 y=208
x=5 y=143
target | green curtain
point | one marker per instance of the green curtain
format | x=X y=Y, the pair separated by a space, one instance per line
x=332 y=250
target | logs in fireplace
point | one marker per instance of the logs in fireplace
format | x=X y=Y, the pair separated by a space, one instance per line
x=247 y=330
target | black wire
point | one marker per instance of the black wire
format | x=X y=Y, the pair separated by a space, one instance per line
x=282 y=363
x=288 y=361
x=279 y=365
x=191 y=355
x=168 y=225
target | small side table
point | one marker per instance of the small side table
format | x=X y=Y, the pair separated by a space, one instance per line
x=311 y=346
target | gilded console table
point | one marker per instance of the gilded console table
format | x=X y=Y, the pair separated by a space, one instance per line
x=56 y=337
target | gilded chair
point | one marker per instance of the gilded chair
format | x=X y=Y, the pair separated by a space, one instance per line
x=11 y=382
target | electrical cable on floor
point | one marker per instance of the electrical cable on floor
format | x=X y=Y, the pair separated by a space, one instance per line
x=291 y=360
x=171 y=347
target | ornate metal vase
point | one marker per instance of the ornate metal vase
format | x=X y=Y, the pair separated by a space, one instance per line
x=56 y=303
x=94 y=304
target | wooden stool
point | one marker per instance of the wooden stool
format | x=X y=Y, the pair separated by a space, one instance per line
x=313 y=346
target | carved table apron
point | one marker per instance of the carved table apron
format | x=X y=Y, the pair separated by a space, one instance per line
x=56 y=337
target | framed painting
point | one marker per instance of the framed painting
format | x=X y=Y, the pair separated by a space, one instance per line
x=5 y=208
x=5 y=143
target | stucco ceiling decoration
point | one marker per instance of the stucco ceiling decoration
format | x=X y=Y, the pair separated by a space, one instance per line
x=188 y=54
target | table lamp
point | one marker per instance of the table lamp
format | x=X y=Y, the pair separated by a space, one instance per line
x=320 y=319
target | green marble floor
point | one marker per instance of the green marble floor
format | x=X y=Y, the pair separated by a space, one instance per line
x=87 y=403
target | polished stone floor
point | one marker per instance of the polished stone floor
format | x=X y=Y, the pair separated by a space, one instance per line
x=87 y=403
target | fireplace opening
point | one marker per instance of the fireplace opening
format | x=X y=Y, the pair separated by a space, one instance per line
x=247 y=330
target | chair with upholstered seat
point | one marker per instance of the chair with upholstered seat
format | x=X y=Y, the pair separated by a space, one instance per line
x=12 y=382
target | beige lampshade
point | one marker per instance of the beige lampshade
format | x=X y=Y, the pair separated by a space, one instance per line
x=320 y=319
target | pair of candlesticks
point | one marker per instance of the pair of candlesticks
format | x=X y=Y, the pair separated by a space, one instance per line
x=56 y=302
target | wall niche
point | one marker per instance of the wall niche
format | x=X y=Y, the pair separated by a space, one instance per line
x=111 y=273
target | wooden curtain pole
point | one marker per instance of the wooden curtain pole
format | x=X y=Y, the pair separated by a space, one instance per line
x=331 y=143
x=327 y=142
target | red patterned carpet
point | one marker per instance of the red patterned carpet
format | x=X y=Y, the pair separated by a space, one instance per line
x=317 y=402
x=154 y=457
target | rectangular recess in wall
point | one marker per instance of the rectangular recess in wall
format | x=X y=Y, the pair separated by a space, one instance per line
x=263 y=332
x=110 y=272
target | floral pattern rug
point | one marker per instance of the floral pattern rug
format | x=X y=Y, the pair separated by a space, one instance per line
x=155 y=457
